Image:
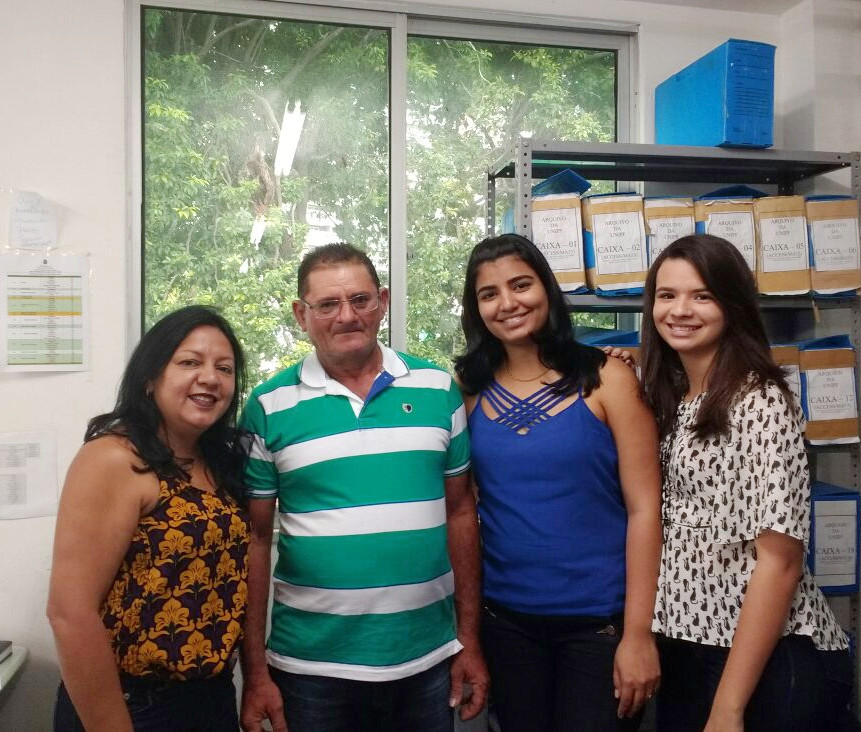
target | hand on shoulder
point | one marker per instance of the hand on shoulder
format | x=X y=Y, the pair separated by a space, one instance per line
x=617 y=373
x=620 y=353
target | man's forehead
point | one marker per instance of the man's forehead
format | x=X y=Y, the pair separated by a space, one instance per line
x=343 y=275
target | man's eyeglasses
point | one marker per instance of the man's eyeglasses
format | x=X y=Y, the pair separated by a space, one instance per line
x=361 y=304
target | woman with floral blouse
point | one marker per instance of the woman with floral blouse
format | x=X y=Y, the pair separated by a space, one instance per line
x=148 y=584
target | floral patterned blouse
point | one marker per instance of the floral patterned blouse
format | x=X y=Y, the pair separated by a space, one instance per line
x=176 y=607
x=719 y=494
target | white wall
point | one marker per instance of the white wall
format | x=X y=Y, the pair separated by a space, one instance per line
x=837 y=81
x=63 y=134
x=819 y=84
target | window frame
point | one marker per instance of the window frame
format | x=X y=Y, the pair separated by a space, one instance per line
x=401 y=20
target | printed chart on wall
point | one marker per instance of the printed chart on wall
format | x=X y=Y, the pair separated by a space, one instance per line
x=28 y=474
x=43 y=313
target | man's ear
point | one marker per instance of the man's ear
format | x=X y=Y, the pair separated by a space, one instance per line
x=384 y=299
x=300 y=312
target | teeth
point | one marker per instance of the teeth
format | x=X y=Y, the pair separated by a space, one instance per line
x=203 y=398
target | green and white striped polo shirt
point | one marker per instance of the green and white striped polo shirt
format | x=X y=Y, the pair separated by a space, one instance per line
x=363 y=588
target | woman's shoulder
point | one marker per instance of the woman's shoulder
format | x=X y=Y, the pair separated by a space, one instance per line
x=107 y=468
x=758 y=400
x=617 y=399
x=469 y=399
x=758 y=395
x=616 y=373
x=110 y=459
x=111 y=450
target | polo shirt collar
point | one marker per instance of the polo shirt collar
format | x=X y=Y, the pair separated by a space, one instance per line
x=312 y=373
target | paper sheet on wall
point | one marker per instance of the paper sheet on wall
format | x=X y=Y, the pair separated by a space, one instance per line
x=28 y=475
x=32 y=222
x=43 y=313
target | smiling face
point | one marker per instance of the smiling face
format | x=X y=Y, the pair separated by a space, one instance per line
x=686 y=314
x=195 y=388
x=348 y=338
x=511 y=298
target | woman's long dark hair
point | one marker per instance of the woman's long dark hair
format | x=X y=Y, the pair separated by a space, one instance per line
x=743 y=352
x=557 y=348
x=136 y=417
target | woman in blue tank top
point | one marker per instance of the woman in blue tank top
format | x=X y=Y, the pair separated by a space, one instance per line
x=565 y=460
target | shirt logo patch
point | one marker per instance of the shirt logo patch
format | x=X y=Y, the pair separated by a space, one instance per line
x=407 y=407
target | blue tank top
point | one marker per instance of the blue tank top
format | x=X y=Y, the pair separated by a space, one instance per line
x=553 y=520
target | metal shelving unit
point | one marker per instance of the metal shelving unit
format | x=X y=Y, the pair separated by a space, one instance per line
x=530 y=159
x=603 y=303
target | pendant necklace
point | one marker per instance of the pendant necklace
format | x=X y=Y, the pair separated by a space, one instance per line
x=523 y=381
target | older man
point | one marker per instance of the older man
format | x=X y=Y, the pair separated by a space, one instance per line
x=376 y=587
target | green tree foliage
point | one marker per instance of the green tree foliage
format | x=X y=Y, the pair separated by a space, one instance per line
x=215 y=89
x=466 y=100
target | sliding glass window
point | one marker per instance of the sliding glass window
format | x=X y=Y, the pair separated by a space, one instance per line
x=264 y=137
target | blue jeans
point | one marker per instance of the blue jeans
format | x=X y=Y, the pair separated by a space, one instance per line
x=205 y=705
x=800 y=690
x=552 y=674
x=417 y=703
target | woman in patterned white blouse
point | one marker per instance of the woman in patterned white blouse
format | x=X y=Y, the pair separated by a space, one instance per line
x=748 y=641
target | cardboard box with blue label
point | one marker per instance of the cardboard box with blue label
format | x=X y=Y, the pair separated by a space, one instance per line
x=834 y=245
x=557 y=227
x=834 y=528
x=724 y=98
x=667 y=219
x=828 y=390
x=782 y=264
x=785 y=355
x=614 y=243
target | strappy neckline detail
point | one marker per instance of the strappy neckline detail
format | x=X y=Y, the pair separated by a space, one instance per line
x=520 y=415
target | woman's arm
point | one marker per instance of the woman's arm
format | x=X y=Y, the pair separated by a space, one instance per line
x=637 y=669
x=774 y=495
x=760 y=625
x=101 y=504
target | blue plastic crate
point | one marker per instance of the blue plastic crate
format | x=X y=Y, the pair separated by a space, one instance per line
x=724 y=98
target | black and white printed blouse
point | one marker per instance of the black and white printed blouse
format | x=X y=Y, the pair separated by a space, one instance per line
x=719 y=494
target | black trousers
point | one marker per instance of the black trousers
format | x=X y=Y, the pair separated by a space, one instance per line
x=552 y=674
x=205 y=705
x=800 y=690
